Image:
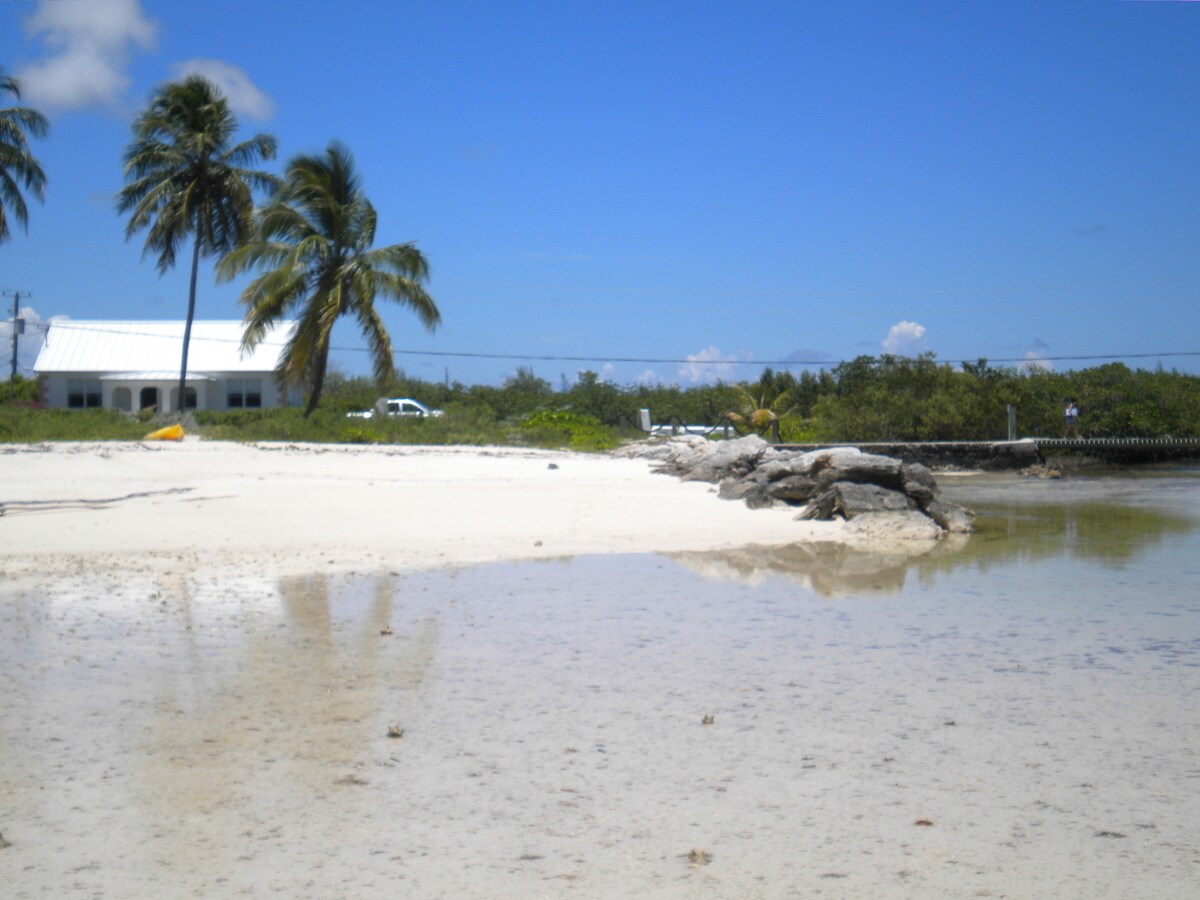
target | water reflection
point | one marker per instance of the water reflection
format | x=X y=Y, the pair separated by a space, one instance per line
x=289 y=696
x=1009 y=533
x=826 y=569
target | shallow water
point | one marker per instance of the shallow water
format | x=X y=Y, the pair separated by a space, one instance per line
x=1030 y=692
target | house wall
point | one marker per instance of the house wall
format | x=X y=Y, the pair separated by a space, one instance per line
x=215 y=394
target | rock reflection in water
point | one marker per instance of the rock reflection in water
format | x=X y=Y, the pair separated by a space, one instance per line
x=1008 y=533
x=827 y=569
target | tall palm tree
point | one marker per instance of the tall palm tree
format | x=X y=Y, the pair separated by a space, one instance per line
x=185 y=177
x=315 y=241
x=18 y=167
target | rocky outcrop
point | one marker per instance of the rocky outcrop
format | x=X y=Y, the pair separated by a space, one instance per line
x=878 y=494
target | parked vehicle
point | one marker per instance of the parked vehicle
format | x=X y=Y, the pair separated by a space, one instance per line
x=404 y=407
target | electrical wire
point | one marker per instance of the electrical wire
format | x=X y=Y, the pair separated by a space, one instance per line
x=525 y=357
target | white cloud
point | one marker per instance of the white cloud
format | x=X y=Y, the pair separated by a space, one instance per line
x=244 y=97
x=29 y=344
x=89 y=44
x=1036 y=359
x=707 y=365
x=647 y=377
x=904 y=339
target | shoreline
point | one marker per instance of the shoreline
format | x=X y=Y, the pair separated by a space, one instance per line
x=286 y=509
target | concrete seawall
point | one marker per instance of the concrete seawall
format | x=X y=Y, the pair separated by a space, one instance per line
x=991 y=455
x=1002 y=455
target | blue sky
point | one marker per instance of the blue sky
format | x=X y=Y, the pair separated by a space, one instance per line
x=699 y=188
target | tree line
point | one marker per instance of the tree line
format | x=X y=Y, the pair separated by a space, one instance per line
x=884 y=398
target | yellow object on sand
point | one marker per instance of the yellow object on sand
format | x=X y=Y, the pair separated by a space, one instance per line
x=170 y=433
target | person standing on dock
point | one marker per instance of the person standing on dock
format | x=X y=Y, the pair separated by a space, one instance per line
x=1071 y=429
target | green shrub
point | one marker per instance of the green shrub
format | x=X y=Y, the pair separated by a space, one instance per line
x=550 y=428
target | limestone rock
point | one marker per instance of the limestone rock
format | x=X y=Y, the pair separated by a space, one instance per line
x=863 y=468
x=849 y=499
x=792 y=489
x=896 y=525
x=950 y=516
x=717 y=460
x=918 y=482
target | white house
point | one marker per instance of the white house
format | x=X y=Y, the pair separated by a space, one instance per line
x=133 y=366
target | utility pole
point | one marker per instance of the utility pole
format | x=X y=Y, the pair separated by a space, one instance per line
x=18 y=327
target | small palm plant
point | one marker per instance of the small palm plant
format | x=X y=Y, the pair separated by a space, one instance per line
x=761 y=414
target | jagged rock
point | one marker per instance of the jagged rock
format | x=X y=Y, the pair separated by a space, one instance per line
x=718 y=460
x=863 y=468
x=849 y=499
x=840 y=481
x=792 y=488
x=751 y=490
x=918 y=482
x=950 y=516
x=679 y=454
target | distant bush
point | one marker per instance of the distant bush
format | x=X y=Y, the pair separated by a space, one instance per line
x=26 y=425
x=552 y=429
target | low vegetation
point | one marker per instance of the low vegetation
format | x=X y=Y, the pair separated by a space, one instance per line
x=868 y=399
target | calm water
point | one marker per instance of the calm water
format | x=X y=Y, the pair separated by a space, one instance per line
x=1030 y=693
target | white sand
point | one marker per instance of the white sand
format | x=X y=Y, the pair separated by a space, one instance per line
x=293 y=508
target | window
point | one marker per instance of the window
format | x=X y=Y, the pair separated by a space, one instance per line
x=83 y=393
x=189 y=398
x=243 y=393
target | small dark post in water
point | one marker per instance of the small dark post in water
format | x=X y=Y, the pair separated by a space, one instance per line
x=1012 y=422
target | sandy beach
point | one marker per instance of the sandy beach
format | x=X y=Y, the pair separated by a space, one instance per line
x=292 y=508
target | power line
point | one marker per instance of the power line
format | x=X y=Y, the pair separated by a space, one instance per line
x=525 y=357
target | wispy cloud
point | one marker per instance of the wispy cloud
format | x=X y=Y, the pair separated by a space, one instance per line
x=904 y=339
x=807 y=355
x=244 y=97
x=709 y=364
x=89 y=43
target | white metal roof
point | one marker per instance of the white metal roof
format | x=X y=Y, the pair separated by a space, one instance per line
x=157 y=375
x=74 y=345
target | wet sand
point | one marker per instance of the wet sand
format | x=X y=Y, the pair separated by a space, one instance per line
x=224 y=732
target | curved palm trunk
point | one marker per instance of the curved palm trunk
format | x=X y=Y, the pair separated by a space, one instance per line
x=187 y=328
x=318 y=379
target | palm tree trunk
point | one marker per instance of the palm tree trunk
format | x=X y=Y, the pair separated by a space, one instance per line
x=187 y=328
x=318 y=378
